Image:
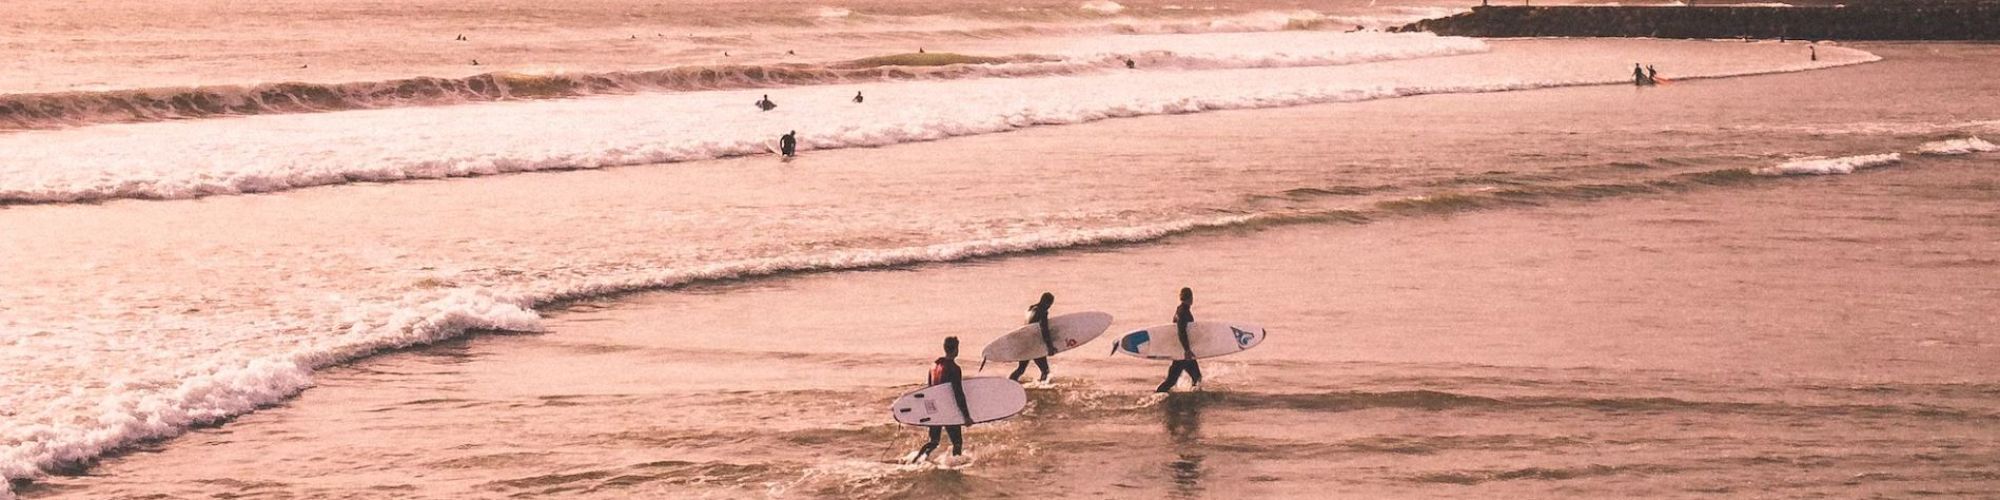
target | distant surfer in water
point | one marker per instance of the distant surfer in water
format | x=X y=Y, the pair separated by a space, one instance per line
x=1638 y=75
x=1038 y=314
x=765 y=103
x=1182 y=317
x=789 y=144
x=857 y=97
x=945 y=370
x=1129 y=64
x=1813 y=51
x=1652 y=75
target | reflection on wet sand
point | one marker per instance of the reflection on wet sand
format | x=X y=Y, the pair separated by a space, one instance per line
x=1183 y=420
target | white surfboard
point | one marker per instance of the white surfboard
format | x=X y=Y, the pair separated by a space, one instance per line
x=990 y=399
x=772 y=144
x=1069 y=331
x=1208 y=339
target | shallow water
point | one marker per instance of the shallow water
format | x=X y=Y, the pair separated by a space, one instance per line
x=123 y=321
x=1544 y=352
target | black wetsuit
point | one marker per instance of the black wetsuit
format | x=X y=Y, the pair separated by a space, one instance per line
x=857 y=98
x=1037 y=314
x=788 y=145
x=1182 y=317
x=946 y=370
x=766 y=104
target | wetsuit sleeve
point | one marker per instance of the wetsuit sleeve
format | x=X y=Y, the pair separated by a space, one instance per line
x=958 y=391
x=1182 y=317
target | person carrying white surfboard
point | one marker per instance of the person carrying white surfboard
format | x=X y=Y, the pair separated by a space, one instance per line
x=1038 y=314
x=1183 y=316
x=944 y=371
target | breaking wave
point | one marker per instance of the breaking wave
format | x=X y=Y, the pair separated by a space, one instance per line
x=221 y=391
x=1953 y=147
x=1830 y=166
x=217 y=158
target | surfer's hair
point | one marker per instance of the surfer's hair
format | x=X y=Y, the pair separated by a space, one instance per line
x=1048 y=298
x=951 y=342
x=1187 y=293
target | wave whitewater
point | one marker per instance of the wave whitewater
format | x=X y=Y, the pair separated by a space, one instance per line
x=422 y=318
x=61 y=109
x=191 y=163
x=1819 y=165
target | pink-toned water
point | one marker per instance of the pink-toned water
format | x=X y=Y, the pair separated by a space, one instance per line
x=1631 y=311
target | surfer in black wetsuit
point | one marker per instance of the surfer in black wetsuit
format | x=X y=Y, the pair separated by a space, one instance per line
x=1039 y=314
x=1652 y=75
x=857 y=97
x=1638 y=75
x=945 y=370
x=765 y=103
x=788 y=145
x=1183 y=316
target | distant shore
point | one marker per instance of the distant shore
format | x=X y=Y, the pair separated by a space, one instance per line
x=1901 y=22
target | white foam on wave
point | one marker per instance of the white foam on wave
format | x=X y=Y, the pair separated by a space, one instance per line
x=1830 y=166
x=1953 y=147
x=280 y=152
x=220 y=390
x=1102 y=6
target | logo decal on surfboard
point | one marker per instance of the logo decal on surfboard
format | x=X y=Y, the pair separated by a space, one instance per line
x=1243 y=338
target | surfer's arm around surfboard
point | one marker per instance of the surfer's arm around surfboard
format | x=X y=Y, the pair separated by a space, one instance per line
x=946 y=371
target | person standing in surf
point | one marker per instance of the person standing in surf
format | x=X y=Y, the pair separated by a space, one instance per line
x=1039 y=314
x=766 y=104
x=788 y=145
x=1183 y=316
x=945 y=371
x=857 y=97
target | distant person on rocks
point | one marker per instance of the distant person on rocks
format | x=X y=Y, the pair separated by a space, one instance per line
x=1038 y=314
x=789 y=144
x=766 y=104
x=857 y=97
x=945 y=371
x=1813 y=51
x=1183 y=316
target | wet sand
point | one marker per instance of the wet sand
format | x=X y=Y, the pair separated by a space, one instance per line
x=1790 y=337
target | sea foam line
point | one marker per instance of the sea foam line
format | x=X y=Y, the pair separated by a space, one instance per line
x=194 y=159
x=223 y=392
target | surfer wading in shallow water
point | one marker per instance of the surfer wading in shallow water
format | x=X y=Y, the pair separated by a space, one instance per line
x=1183 y=315
x=945 y=370
x=1038 y=314
x=788 y=145
x=766 y=104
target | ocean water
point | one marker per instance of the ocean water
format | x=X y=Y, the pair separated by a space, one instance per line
x=177 y=266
